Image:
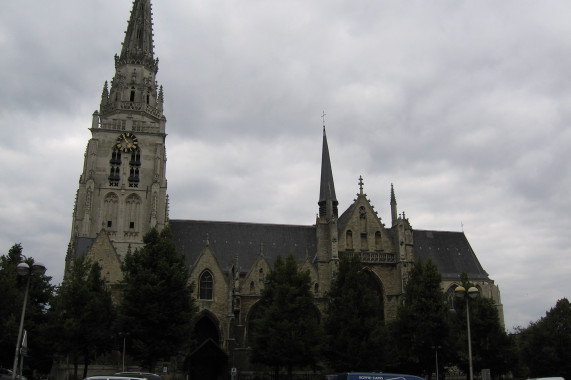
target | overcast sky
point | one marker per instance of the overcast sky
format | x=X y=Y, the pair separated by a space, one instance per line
x=464 y=106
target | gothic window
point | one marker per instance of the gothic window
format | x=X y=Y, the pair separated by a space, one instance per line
x=378 y=240
x=132 y=212
x=115 y=170
x=110 y=210
x=206 y=286
x=134 y=177
x=252 y=287
x=363 y=218
x=364 y=243
x=135 y=158
x=349 y=239
x=134 y=164
x=132 y=97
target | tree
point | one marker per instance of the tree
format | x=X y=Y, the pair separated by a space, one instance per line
x=12 y=288
x=157 y=306
x=421 y=325
x=492 y=348
x=545 y=345
x=285 y=327
x=83 y=315
x=354 y=326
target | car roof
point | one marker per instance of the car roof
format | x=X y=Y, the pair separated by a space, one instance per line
x=145 y=375
x=115 y=377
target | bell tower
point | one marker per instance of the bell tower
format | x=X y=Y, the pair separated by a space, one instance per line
x=122 y=188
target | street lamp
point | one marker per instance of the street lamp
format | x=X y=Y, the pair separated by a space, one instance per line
x=436 y=348
x=24 y=269
x=124 y=335
x=460 y=292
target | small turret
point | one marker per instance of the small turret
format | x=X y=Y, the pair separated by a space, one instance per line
x=394 y=215
x=105 y=93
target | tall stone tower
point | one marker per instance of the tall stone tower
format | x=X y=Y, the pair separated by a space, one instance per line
x=122 y=189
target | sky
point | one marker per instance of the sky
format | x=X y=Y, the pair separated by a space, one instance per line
x=464 y=106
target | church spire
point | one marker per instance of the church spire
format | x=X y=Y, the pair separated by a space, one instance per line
x=327 y=187
x=134 y=88
x=138 y=45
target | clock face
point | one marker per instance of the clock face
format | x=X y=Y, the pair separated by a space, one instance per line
x=126 y=142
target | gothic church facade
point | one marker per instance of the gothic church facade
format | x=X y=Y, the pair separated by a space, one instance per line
x=122 y=194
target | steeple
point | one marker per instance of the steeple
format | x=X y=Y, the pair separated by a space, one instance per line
x=123 y=186
x=138 y=46
x=327 y=187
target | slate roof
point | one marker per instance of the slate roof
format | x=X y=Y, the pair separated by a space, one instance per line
x=82 y=245
x=450 y=251
x=231 y=239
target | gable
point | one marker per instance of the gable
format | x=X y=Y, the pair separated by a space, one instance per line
x=102 y=251
x=361 y=228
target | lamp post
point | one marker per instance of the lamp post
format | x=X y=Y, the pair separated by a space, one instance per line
x=24 y=269
x=436 y=348
x=460 y=292
x=124 y=335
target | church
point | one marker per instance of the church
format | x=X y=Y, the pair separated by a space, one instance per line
x=122 y=194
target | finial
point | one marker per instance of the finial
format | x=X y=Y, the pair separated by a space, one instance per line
x=361 y=185
x=323 y=118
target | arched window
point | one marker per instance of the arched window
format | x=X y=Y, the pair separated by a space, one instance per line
x=132 y=212
x=206 y=286
x=378 y=245
x=132 y=97
x=115 y=170
x=252 y=287
x=110 y=211
x=349 y=239
x=134 y=164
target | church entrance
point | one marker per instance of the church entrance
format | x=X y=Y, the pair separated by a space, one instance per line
x=207 y=361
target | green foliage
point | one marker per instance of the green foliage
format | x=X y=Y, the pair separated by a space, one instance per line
x=492 y=348
x=545 y=345
x=285 y=327
x=12 y=288
x=157 y=305
x=421 y=325
x=83 y=314
x=354 y=326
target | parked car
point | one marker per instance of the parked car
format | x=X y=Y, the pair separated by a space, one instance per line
x=148 y=376
x=114 y=377
x=5 y=374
